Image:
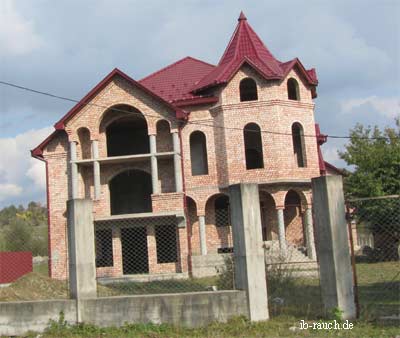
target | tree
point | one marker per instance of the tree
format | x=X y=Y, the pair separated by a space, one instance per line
x=375 y=157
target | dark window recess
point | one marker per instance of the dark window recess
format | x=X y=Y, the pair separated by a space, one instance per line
x=166 y=243
x=248 y=90
x=225 y=250
x=298 y=144
x=293 y=90
x=222 y=211
x=253 y=146
x=104 y=248
x=198 y=153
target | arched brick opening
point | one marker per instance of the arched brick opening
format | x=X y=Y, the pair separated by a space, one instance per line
x=164 y=136
x=294 y=226
x=218 y=227
x=293 y=89
x=84 y=150
x=298 y=145
x=253 y=146
x=248 y=90
x=269 y=220
x=198 y=153
x=126 y=131
x=130 y=192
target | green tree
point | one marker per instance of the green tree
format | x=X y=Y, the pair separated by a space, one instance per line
x=374 y=155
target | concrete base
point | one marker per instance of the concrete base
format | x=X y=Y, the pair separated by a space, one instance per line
x=188 y=309
x=143 y=278
x=209 y=265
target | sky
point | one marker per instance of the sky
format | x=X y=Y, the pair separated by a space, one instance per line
x=67 y=47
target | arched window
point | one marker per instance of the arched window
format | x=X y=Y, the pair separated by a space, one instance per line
x=127 y=133
x=84 y=142
x=298 y=144
x=164 y=136
x=248 y=90
x=198 y=153
x=221 y=205
x=293 y=89
x=253 y=146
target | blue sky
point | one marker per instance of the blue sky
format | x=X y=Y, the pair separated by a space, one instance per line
x=67 y=47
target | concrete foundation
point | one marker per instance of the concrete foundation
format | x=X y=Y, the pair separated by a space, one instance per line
x=186 y=309
x=209 y=265
x=248 y=248
x=333 y=246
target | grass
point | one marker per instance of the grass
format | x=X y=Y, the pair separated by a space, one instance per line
x=42 y=268
x=281 y=326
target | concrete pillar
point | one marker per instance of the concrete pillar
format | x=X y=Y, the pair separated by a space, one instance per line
x=74 y=170
x=81 y=252
x=202 y=235
x=281 y=232
x=248 y=248
x=177 y=162
x=309 y=234
x=333 y=246
x=96 y=170
x=154 y=164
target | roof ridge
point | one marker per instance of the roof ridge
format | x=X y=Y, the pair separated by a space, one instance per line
x=174 y=64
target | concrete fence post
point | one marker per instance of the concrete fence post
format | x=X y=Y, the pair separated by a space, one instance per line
x=333 y=246
x=248 y=248
x=81 y=252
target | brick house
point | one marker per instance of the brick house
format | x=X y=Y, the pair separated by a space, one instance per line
x=156 y=157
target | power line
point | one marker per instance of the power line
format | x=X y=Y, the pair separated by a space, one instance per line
x=35 y=91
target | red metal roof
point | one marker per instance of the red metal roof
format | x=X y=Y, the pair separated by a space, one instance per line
x=174 y=82
x=245 y=46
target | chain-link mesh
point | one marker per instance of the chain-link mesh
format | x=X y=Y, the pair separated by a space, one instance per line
x=292 y=269
x=375 y=227
x=151 y=256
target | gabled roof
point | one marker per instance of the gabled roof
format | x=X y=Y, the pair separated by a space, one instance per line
x=245 y=46
x=174 y=82
x=102 y=84
x=60 y=125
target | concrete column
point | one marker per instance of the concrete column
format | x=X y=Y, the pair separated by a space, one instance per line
x=281 y=232
x=333 y=246
x=81 y=252
x=309 y=234
x=74 y=170
x=248 y=248
x=96 y=170
x=202 y=235
x=154 y=164
x=177 y=162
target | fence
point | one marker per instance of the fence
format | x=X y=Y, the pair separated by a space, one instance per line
x=375 y=227
x=293 y=281
x=151 y=256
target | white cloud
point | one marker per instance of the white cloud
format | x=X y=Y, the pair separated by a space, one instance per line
x=9 y=190
x=389 y=107
x=17 y=35
x=19 y=173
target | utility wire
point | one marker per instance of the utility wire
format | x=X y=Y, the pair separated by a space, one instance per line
x=35 y=91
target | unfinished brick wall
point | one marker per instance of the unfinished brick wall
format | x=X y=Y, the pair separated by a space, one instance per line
x=222 y=125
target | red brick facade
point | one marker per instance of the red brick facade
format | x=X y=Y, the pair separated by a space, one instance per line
x=222 y=124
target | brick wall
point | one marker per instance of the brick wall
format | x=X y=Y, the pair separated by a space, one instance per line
x=225 y=152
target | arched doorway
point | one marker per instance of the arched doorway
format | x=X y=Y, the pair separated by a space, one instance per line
x=293 y=219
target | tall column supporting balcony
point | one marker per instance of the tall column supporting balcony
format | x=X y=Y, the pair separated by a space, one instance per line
x=177 y=162
x=202 y=235
x=309 y=234
x=154 y=164
x=281 y=232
